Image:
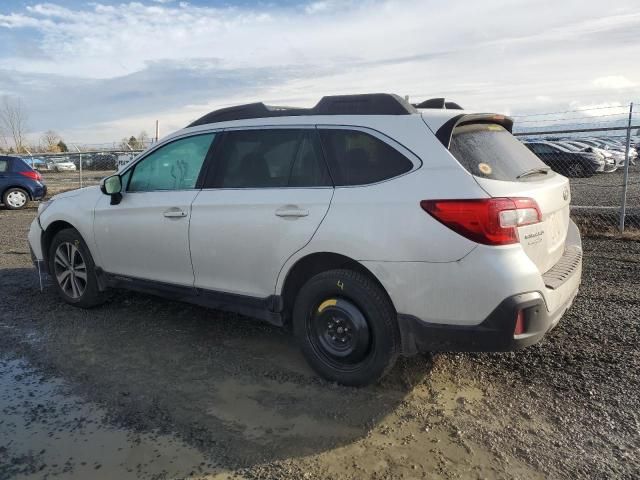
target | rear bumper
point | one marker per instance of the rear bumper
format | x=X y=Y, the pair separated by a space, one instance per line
x=543 y=302
x=494 y=334
x=39 y=192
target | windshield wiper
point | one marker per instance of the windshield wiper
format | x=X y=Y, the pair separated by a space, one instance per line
x=534 y=171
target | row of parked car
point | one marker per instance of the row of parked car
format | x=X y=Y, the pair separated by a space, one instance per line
x=95 y=161
x=582 y=157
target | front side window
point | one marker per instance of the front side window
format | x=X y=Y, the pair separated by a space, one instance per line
x=270 y=159
x=175 y=166
x=357 y=158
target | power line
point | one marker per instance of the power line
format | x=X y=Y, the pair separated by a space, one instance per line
x=624 y=114
x=570 y=111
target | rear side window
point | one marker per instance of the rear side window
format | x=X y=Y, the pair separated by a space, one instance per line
x=357 y=158
x=4 y=166
x=19 y=165
x=490 y=151
x=270 y=159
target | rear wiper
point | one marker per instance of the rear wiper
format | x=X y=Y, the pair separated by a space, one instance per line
x=534 y=171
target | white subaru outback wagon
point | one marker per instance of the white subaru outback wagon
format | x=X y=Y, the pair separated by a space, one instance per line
x=370 y=227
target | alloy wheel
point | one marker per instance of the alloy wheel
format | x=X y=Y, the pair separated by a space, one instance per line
x=70 y=270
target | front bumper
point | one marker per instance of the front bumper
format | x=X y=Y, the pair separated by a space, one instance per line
x=35 y=242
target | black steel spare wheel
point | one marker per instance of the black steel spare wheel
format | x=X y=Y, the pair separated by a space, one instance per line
x=340 y=332
x=346 y=327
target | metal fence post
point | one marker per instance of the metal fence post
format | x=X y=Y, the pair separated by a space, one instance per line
x=626 y=171
x=79 y=163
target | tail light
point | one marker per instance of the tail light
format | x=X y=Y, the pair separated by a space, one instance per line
x=490 y=221
x=32 y=174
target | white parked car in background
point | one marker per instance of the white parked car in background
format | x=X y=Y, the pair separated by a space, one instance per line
x=61 y=165
x=371 y=228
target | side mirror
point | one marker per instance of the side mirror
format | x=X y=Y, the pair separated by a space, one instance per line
x=112 y=186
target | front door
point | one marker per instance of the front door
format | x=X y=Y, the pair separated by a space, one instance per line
x=146 y=235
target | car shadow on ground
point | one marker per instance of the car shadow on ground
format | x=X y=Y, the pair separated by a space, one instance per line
x=236 y=389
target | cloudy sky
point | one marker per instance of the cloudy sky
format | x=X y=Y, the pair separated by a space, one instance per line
x=96 y=71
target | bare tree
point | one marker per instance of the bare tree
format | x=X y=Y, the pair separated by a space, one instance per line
x=51 y=141
x=143 y=139
x=134 y=143
x=13 y=121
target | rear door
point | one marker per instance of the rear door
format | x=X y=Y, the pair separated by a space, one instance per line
x=264 y=199
x=504 y=167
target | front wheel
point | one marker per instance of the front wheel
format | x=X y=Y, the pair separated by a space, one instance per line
x=73 y=270
x=346 y=327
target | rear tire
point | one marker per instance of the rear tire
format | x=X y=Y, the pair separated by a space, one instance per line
x=346 y=327
x=73 y=270
x=15 y=198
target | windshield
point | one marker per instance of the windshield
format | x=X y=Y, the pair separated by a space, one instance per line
x=490 y=151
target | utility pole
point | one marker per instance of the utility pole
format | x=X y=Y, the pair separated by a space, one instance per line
x=157 y=131
x=623 y=211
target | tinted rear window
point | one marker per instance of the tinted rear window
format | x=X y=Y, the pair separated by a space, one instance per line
x=490 y=151
x=357 y=158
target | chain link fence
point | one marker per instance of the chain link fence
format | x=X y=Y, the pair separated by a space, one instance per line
x=71 y=170
x=598 y=151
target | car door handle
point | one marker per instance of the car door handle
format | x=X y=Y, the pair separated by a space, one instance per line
x=291 y=211
x=175 y=213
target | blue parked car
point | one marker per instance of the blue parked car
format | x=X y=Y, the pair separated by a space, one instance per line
x=19 y=183
x=37 y=164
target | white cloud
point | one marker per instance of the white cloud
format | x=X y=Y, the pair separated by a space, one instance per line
x=615 y=82
x=112 y=62
x=317 y=7
x=601 y=108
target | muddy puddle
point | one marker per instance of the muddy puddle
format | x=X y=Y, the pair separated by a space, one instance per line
x=45 y=431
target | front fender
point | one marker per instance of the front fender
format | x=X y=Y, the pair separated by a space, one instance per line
x=78 y=212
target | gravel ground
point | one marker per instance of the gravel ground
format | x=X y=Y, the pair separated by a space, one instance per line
x=146 y=388
x=605 y=189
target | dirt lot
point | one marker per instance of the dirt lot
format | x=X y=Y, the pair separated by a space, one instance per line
x=146 y=388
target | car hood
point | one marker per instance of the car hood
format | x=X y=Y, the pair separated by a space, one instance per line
x=87 y=192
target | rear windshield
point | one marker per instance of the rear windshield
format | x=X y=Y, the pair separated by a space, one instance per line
x=487 y=150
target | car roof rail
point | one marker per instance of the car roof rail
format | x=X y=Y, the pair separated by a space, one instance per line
x=438 y=103
x=365 y=104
